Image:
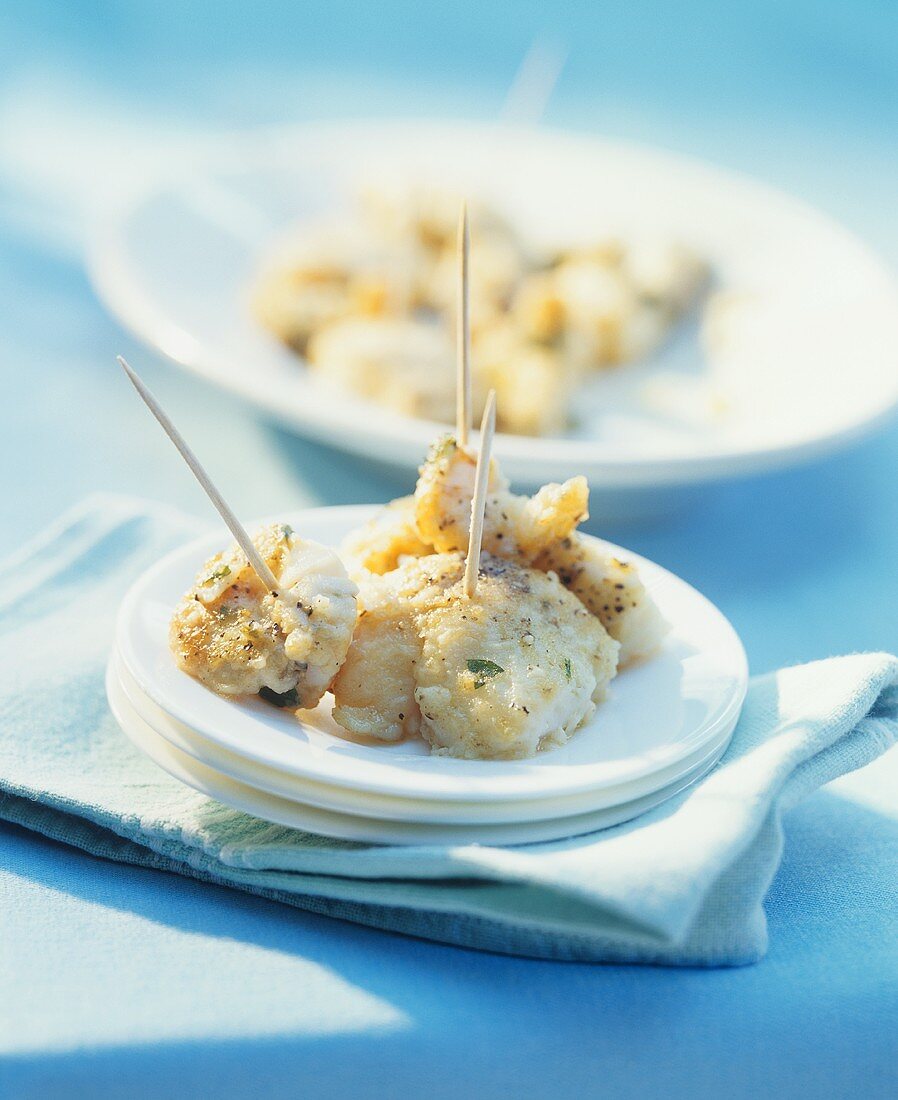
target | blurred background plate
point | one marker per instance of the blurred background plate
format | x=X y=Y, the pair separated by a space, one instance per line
x=817 y=359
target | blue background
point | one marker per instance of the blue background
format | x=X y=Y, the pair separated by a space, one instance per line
x=140 y=984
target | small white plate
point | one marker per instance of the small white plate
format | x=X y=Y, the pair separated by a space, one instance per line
x=817 y=352
x=383 y=807
x=296 y=815
x=657 y=714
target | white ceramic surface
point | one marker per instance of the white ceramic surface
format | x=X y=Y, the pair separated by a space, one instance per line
x=657 y=714
x=295 y=815
x=384 y=807
x=817 y=352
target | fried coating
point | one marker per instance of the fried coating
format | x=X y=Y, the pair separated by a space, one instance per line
x=612 y=590
x=379 y=545
x=374 y=691
x=538 y=531
x=237 y=638
x=514 y=527
x=515 y=669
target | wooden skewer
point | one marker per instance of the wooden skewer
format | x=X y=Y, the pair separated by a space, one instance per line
x=463 y=413
x=237 y=530
x=478 y=503
x=533 y=83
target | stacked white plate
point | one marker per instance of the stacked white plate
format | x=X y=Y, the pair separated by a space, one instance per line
x=665 y=724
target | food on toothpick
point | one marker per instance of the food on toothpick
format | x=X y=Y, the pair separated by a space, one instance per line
x=482 y=656
x=516 y=668
x=238 y=638
x=272 y=616
x=539 y=532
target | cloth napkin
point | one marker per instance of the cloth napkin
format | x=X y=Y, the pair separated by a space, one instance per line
x=682 y=885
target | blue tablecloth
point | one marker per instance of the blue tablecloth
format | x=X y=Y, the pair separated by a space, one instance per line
x=127 y=982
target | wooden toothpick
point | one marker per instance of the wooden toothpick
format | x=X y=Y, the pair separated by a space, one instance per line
x=463 y=414
x=478 y=503
x=533 y=84
x=237 y=530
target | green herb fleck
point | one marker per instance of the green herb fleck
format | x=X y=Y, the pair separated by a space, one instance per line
x=483 y=670
x=217 y=575
x=440 y=451
x=567 y=667
x=280 y=699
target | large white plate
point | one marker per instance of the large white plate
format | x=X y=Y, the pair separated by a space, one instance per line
x=658 y=713
x=297 y=815
x=822 y=345
x=346 y=800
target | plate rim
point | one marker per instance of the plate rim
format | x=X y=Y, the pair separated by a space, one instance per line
x=532 y=809
x=403 y=832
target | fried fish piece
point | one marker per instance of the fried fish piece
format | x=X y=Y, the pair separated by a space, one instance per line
x=538 y=531
x=516 y=527
x=612 y=590
x=518 y=667
x=374 y=691
x=379 y=545
x=238 y=638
